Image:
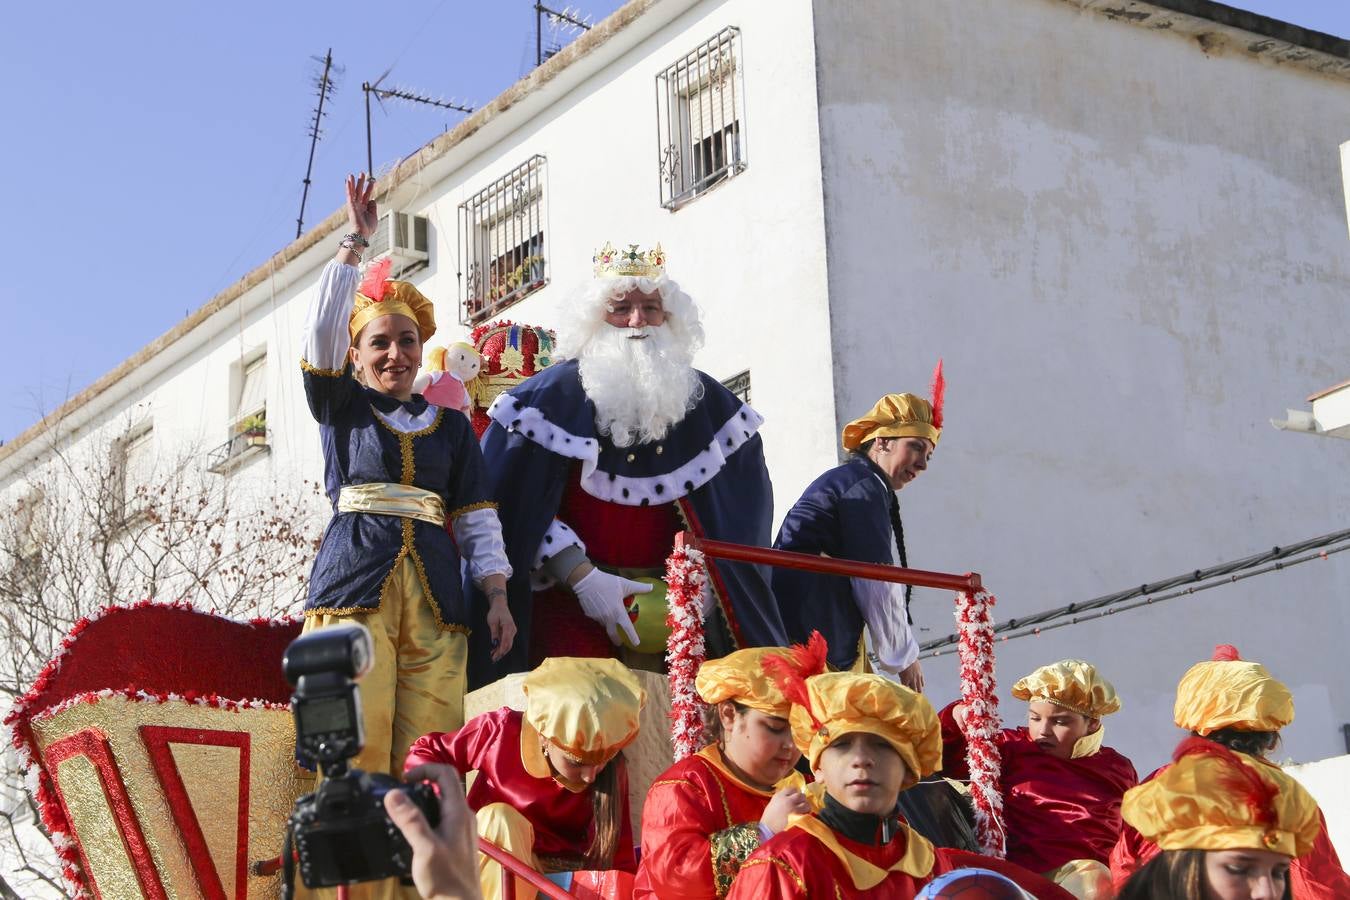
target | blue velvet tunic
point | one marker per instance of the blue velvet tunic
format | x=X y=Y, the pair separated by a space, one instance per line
x=360 y=550
x=845 y=513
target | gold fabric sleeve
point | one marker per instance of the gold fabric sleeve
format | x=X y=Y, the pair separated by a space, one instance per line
x=730 y=848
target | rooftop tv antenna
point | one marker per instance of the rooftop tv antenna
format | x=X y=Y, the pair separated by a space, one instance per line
x=392 y=93
x=567 y=21
x=326 y=85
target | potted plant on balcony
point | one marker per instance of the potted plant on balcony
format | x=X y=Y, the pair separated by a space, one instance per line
x=253 y=430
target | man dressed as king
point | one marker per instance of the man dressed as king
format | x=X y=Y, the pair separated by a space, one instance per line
x=599 y=460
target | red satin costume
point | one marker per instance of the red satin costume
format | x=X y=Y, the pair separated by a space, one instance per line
x=1055 y=810
x=1316 y=876
x=698 y=825
x=795 y=864
x=562 y=820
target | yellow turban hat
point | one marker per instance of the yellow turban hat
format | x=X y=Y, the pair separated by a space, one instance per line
x=1229 y=692
x=741 y=676
x=378 y=296
x=894 y=415
x=1072 y=684
x=901 y=415
x=840 y=703
x=588 y=708
x=1214 y=799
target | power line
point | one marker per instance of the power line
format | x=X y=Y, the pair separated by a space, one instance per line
x=1275 y=559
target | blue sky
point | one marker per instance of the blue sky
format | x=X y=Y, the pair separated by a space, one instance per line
x=154 y=150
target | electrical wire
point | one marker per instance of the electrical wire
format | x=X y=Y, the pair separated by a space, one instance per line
x=1273 y=560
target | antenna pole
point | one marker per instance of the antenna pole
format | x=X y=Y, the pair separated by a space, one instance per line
x=370 y=157
x=538 y=33
x=325 y=87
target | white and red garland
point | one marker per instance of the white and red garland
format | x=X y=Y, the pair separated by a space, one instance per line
x=686 y=576
x=975 y=628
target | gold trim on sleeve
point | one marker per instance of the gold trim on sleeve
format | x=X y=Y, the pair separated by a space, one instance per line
x=307 y=366
x=731 y=847
x=472 y=507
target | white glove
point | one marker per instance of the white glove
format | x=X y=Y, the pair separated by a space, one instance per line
x=602 y=595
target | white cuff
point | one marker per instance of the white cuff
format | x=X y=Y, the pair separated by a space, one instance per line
x=557 y=538
x=883 y=609
x=479 y=536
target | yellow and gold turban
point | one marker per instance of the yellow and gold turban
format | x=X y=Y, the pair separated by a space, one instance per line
x=741 y=677
x=845 y=702
x=588 y=708
x=894 y=415
x=1072 y=684
x=399 y=299
x=1228 y=692
x=1214 y=799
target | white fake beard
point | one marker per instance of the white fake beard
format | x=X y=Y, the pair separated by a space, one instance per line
x=640 y=388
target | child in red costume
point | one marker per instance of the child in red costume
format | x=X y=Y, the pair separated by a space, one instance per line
x=1239 y=704
x=551 y=787
x=1228 y=825
x=867 y=739
x=1061 y=788
x=708 y=812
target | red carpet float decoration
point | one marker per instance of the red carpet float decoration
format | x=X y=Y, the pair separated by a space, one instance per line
x=160 y=748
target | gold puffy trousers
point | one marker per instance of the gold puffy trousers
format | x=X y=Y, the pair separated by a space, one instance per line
x=417 y=682
x=415 y=686
x=503 y=825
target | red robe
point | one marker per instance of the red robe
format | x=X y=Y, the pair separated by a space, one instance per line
x=490 y=744
x=1055 y=810
x=616 y=537
x=797 y=863
x=1315 y=876
x=699 y=824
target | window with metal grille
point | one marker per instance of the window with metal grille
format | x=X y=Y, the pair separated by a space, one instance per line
x=739 y=384
x=501 y=242
x=700 y=119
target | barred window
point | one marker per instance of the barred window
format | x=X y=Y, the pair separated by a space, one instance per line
x=501 y=242
x=739 y=384
x=700 y=116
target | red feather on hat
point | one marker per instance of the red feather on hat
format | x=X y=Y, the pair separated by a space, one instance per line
x=789 y=670
x=1225 y=653
x=375 y=284
x=939 y=394
x=1241 y=780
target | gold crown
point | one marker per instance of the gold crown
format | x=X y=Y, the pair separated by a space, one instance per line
x=611 y=263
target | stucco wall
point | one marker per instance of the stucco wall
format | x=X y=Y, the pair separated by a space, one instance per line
x=1131 y=255
x=750 y=251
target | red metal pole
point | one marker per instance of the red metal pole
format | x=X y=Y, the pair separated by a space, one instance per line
x=828 y=565
x=516 y=867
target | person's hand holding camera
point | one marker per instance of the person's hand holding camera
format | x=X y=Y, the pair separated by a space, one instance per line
x=444 y=861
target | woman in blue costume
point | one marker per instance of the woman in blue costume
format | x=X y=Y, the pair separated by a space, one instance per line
x=397 y=470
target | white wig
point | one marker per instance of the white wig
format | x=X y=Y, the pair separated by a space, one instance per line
x=583 y=314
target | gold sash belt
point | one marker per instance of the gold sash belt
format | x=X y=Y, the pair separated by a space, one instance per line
x=386 y=499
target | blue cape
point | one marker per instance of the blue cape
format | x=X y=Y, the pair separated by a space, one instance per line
x=711 y=463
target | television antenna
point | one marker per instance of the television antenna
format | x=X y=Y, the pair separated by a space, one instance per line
x=326 y=85
x=394 y=93
x=568 y=21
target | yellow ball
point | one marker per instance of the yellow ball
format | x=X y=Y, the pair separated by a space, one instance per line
x=648 y=613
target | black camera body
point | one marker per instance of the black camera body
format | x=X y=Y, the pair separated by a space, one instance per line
x=343 y=835
x=341 y=832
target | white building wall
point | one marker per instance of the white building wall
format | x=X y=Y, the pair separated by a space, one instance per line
x=1131 y=254
x=750 y=251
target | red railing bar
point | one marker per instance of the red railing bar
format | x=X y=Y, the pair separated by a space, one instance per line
x=515 y=866
x=828 y=565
